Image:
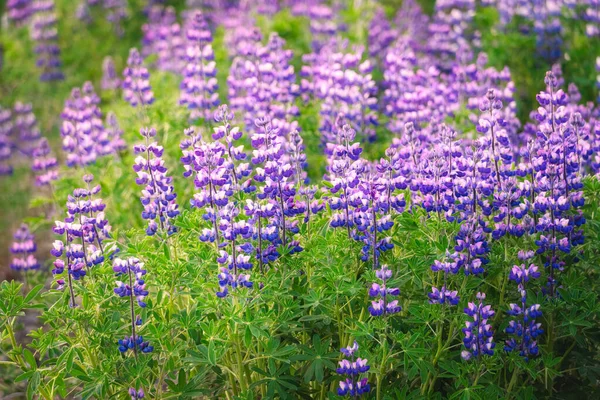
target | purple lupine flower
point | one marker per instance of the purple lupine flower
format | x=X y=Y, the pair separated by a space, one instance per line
x=297 y=159
x=449 y=29
x=164 y=38
x=445 y=295
x=556 y=161
x=132 y=269
x=136 y=394
x=44 y=164
x=479 y=335
x=351 y=369
x=136 y=84
x=110 y=78
x=598 y=78
x=158 y=196
x=116 y=13
x=371 y=214
x=524 y=327
x=82 y=130
x=25 y=125
x=262 y=85
x=19 y=11
x=345 y=169
x=23 y=250
x=345 y=87
x=45 y=34
x=383 y=305
x=199 y=85
x=205 y=162
x=6 y=142
x=114 y=133
x=381 y=35
x=275 y=180
x=88 y=222
x=234 y=255
x=137 y=345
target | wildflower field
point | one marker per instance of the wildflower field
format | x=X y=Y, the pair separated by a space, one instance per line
x=299 y=199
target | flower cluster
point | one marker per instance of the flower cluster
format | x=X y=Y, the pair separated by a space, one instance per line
x=158 y=196
x=165 y=38
x=352 y=368
x=136 y=394
x=85 y=230
x=82 y=130
x=6 y=142
x=19 y=11
x=136 y=84
x=110 y=78
x=199 y=85
x=524 y=327
x=45 y=34
x=44 y=164
x=384 y=305
x=133 y=272
x=23 y=250
x=479 y=335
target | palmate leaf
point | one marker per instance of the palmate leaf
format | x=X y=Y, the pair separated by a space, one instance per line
x=316 y=358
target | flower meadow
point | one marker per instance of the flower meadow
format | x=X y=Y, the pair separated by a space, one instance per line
x=300 y=199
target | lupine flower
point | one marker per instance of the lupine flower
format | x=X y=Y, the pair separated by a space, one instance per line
x=116 y=13
x=25 y=125
x=6 y=142
x=383 y=305
x=524 y=327
x=23 y=250
x=344 y=172
x=158 y=196
x=136 y=394
x=557 y=175
x=136 y=84
x=235 y=255
x=444 y=295
x=44 y=164
x=133 y=272
x=19 y=11
x=479 y=335
x=136 y=344
x=132 y=269
x=164 y=38
x=45 y=34
x=114 y=133
x=199 y=85
x=110 y=78
x=353 y=368
x=82 y=130
x=371 y=218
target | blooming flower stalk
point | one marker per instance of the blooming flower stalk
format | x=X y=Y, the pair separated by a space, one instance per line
x=199 y=85
x=158 y=196
x=524 y=328
x=134 y=287
x=383 y=305
x=23 y=250
x=45 y=34
x=136 y=84
x=479 y=335
x=351 y=369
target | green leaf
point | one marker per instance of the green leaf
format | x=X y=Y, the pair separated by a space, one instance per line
x=30 y=359
x=34 y=382
x=212 y=356
x=33 y=293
